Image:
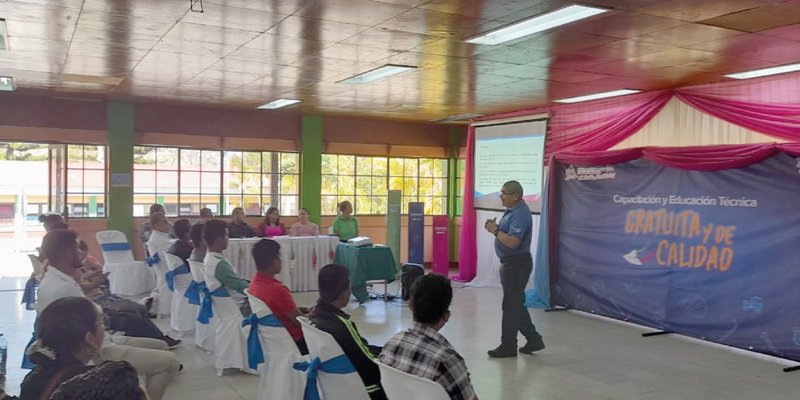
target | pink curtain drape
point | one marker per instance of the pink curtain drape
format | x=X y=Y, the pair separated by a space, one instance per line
x=770 y=106
x=467 y=249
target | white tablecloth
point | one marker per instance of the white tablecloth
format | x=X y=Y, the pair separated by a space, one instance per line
x=301 y=256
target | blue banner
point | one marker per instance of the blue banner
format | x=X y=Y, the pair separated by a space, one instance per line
x=713 y=255
x=416 y=233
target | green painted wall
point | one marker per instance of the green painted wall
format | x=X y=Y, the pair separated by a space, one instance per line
x=311 y=166
x=120 y=121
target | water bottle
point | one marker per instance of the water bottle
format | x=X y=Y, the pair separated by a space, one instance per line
x=3 y=357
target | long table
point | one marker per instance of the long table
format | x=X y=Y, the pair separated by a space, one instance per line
x=366 y=264
x=302 y=257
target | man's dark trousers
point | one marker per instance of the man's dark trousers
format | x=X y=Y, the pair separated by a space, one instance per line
x=514 y=274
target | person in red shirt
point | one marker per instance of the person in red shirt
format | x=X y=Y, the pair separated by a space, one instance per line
x=271 y=291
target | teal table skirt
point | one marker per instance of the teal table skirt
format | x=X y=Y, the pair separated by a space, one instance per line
x=370 y=263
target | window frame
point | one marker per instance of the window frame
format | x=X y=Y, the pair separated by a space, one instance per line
x=222 y=194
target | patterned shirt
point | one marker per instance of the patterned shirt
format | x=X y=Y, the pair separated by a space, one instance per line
x=423 y=352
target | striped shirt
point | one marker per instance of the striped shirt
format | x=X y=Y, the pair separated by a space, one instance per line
x=423 y=351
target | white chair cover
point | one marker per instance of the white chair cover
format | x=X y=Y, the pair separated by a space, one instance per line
x=38 y=267
x=331 y=386
x=279 y=380
x=159 y=244
x=182 y=314
x=229 y=340
x=203 y=333
x=400 y=385
x=127 y=277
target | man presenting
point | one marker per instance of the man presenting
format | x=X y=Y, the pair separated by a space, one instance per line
x=512 y=244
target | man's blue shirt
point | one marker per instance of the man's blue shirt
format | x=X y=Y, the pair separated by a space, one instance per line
x=517 y=222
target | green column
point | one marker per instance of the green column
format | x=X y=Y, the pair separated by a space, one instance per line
x=452 y=189
x=393 y=209
x=311 y=166
x=120 y=127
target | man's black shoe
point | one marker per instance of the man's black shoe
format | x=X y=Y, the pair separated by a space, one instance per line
x=532 y=346
x=503 y=352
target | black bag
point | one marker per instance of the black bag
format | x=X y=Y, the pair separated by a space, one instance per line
x=409 y=273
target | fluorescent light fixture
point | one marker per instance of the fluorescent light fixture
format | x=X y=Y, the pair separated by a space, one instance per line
x=3 y=35
x=765 y=72
x=596 y=96
x=458 y=118
x=378 y=73
x=7 y=84
x=536 y=24
x=280 y=103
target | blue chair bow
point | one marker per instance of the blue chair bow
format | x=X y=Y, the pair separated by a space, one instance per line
x=183 y=269
x=29 y=296
x=193 y=292
x=255 y=354
x=206 y=312
x=152 y=260
x=125 y=246
x=336 y=365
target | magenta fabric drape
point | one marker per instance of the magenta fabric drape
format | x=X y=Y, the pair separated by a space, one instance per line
x=600 y=125
x=698 y=158
x=467 y=249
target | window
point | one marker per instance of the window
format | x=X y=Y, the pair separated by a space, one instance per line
x=86 y=181
x=365 y=181
x=462 y=165
x=186 y=180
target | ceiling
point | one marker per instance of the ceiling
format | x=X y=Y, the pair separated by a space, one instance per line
x=243 y=53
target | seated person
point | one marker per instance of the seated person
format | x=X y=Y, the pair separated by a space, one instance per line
x=206 y=214
x=199 y=251
x=215 y=234
x=147 y=355
x=272 y=225
x=345 y=226
x=183 y=246
x=145 y=229
x=421 y=350
x=304 y=227
x=238 y=228
x=160 y=241
x=70 y=334
x=271 y=291
x=334 y=294
x=111 y=380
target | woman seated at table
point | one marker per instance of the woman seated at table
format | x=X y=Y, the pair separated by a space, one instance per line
x=304 y=227
x=272 y=225
x=238 y=228
x=345 y=226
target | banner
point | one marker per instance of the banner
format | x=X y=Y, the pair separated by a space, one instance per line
x=709 y=254
x=393 y=209
x=416 y=233
x=441 y=245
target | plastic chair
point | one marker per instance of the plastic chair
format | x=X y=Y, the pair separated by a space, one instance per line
x=182 y=314
x=399 y=385
x=203 y=333
x=332 y=386
x=127 y=277
x=229 y=340
x=279 y=380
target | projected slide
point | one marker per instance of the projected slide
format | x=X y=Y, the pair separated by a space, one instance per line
x=503 y=153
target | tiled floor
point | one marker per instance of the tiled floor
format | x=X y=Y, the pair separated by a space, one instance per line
x=586 y=358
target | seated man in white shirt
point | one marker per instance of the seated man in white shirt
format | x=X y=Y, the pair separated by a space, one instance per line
x=148 y=356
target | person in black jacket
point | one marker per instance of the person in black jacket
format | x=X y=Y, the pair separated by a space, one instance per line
x=183 y=246
x=334 y=294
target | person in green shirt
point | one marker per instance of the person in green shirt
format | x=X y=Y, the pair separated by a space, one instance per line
x=345 y=226
x=215 y=233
